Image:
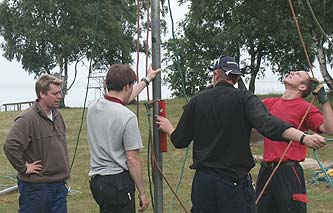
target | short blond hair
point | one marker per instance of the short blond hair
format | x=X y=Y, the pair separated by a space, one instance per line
x=43 y=83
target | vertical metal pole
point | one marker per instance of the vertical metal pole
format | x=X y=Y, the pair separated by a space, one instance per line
x=156 y=63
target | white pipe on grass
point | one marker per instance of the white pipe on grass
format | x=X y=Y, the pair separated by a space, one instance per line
x=9 y=190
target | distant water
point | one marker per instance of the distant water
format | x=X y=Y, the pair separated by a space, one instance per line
x=75 y=97
x=268 y=87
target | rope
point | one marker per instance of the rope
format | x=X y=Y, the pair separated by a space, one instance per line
x=167 y=182
x=151 y=156
x=182 y=172
x=317 y=177
x=155 y=163
x=147 y=37
x=138 y=56
x=149 y=162
x=327 y=177
x=185 y=95
x=151 y=159
x=177 y=54
x=317 y=22
x=86 y=95
x=300 y=36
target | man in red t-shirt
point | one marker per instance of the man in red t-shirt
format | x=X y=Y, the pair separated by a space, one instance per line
x=286 y=192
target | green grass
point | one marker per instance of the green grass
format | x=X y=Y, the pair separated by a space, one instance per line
x=82 y=201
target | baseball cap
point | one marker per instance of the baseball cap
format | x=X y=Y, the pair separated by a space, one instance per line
x=228 y=65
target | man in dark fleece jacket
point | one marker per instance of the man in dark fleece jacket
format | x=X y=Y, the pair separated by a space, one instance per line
x=36 y=147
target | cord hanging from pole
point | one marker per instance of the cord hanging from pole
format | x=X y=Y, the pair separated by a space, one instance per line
x=147 y=43
x=185 y=95
x=150 y=144
x=300 y=36
x=138 y=56
x=149 y=157
x=86 y=95
x=155 y=163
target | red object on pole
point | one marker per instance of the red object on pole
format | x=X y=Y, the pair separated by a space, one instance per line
x=163 y=136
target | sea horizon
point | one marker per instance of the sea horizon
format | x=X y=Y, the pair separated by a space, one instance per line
x=76 y=95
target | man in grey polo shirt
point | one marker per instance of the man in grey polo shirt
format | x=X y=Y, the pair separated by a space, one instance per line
x=114 y=142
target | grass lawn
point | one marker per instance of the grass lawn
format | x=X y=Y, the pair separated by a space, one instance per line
x=81 y=200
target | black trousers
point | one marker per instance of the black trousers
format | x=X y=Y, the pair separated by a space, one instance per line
x=213 y=192
x=114 y=193
x=285 y=193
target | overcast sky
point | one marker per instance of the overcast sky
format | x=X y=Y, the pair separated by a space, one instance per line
x=18 y=85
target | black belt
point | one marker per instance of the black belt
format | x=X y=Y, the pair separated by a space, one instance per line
x=125 y=172
x=274 y=164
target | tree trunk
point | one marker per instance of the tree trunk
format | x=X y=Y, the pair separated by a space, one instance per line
x=255 y=67
x=64 y=84
x=241 y=84
x=252 y=82
x=322 y=62
x=63 y=75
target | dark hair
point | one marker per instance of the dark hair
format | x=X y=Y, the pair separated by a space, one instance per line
x=231 y=77
x=118 y=76
x=43 y=83
x=308 y=83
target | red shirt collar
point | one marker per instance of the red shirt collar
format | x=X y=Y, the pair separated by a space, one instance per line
x=114 y=99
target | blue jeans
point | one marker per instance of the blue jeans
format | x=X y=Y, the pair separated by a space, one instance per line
x=42 y=197
x=214 y=193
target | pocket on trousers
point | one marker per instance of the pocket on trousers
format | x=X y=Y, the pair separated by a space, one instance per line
x=124 y=189
x=28 y=188
x=105 y=193
x=112 y=190
x=300 y=197
x=298 y=203
x=250 y=198
x=96 y=191
x=251 y=194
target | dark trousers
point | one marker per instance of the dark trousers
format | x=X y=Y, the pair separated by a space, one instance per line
x=213 y=193
x=114 y=193
x=285 y=192
x=42 y=197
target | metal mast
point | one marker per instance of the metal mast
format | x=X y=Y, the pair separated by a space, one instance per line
x=156 y=63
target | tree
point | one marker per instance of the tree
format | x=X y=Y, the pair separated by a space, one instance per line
x=261 y=33
x=45 y=34
x=317 y=23
x=182 y=72
x=195 y=51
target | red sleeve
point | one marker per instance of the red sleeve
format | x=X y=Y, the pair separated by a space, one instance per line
x=314 y=119
x=268 y=102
